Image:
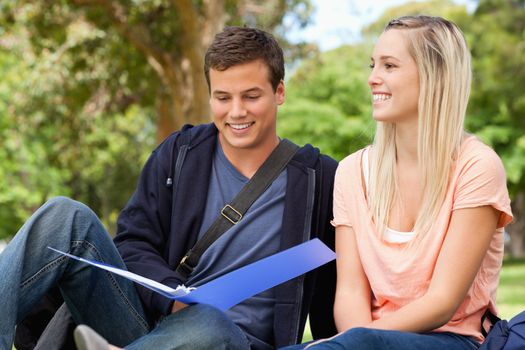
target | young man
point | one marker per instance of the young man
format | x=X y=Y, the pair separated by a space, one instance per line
x=183 y=187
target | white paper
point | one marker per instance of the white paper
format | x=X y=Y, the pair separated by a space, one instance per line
x=180 y=291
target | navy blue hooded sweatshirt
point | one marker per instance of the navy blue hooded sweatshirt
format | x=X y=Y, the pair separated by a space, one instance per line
x=162 y=219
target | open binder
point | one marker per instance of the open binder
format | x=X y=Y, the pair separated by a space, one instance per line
x=238 y=285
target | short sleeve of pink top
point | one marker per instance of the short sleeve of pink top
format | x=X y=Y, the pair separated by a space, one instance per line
x=400 y=273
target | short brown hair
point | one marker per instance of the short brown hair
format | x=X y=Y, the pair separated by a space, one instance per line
x=238 y=45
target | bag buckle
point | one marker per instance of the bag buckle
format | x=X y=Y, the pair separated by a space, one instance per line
x=183 y=267
x=231 y=214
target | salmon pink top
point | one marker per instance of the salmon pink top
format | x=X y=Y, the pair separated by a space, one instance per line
x=400 y=273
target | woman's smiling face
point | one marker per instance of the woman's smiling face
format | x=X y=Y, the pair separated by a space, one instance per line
x=394 y=79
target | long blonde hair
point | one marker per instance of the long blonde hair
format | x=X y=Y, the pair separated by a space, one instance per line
x=443 y=60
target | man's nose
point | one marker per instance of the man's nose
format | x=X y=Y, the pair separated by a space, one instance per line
x=238 y=109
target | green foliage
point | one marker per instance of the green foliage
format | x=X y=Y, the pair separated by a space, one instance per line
x=511 y=289
x=497 y=106
x=23 y=166
x=329 y=103
x=324 y=126
x=54 y=143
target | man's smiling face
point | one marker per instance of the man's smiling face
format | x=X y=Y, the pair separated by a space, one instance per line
x=244 y=106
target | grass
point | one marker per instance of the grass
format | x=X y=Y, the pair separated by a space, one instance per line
x=511 y=292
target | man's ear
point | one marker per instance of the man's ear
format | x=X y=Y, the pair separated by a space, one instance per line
x=279 y=93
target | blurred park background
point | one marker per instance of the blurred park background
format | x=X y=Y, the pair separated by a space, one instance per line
x=89 y=87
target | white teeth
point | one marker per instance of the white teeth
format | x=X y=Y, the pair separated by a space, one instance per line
x=240 y=126
x=380 y=97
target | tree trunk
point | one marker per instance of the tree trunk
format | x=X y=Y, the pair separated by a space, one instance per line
x=177 y=102
x=165 y=116
x=193 y=45
x=517 y=228
x=180 y=71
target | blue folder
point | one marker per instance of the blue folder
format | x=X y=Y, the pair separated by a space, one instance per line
x=238 y=285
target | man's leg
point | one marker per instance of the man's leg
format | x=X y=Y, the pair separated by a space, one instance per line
x=377 y=339
x=195 y=327
x=28 y=270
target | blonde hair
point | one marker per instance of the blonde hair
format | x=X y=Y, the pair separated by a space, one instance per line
x=443 y=60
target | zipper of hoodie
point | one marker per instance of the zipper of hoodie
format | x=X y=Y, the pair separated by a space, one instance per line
x=306 y=236
x=178 y=165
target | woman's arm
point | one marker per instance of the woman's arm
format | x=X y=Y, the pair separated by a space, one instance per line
x=464 y=248
x=352 y=306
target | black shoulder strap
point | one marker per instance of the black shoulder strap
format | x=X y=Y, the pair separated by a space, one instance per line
x=232 y=213
x=488 y=316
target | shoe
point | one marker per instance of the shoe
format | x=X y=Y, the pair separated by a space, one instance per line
x=87 y=339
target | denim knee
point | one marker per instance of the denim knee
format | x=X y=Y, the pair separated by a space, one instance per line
x=66 y=212
x=218 y=331
x=361 y=332
x=59 y=222
x=64 y=207
x=195 y=327
x=367 y=337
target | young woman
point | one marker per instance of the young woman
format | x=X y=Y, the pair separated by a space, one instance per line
x=419 y=215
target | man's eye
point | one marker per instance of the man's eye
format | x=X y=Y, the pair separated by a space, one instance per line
x=252 y=97
x=222 y=98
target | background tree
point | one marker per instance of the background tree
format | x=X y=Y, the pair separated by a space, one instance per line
x=151 y=49
x=496 y=35
x=90 y=86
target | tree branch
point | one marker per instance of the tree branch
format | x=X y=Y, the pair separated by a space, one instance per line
x=215 y=18
x=137 y=34
x=191 y=29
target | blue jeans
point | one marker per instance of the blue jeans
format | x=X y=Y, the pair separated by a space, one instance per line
x=377 y=339
x=107 y=303
x=194 y=327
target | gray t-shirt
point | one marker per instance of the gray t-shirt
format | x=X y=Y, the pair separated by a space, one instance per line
x=256 y=236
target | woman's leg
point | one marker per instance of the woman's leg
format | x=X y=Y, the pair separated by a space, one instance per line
x=298 y=346
x=107 y=303
x=376 y=339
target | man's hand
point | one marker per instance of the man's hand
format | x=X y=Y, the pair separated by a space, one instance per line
x=177 y=306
